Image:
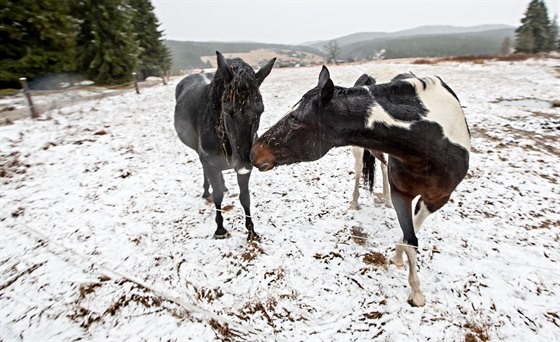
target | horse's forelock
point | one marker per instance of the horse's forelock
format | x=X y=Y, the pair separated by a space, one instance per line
x=243 y=88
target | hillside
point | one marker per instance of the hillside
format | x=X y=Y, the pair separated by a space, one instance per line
x=417 y=31
x=424 y=41
x=187 y=55
x=473 y=43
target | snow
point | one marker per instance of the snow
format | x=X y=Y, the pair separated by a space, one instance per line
x=104 y=235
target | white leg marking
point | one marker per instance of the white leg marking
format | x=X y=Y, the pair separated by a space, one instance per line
x=386 y=189
x=357 y=152
x=420 y=216
x=416 y=297
x=397 y=258
x=243 y=171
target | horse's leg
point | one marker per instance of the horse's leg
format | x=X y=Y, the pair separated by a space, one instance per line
x=386 y=189
x=403 y=206
x=214 y=177
x=245 y=199
x=223 y=183
x=206 y=186
x=357 y=152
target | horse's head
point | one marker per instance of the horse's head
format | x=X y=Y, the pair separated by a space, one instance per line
x=242 y=106
x=304 y=134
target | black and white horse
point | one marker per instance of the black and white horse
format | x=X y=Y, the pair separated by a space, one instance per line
x=418 y=122
x=218 y=117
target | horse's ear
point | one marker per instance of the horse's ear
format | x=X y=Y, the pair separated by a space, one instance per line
x=324 y=76
x=224 y=68
x=326 y=85
x=364 y=80
x=264 y=71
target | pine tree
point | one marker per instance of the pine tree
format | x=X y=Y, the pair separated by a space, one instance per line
x=533 y=34
x=154 y=58
x=37 y=38
x=107 y=50
x=553 y=43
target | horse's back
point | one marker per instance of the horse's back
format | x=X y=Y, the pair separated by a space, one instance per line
x=190 y=96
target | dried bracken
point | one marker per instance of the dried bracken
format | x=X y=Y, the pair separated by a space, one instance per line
x=376 y=260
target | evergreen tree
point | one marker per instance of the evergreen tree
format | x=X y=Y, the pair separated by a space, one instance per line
x=154 y=58
x=37 y=38
x=107 y=50
x=553 y=35
x=533 y=34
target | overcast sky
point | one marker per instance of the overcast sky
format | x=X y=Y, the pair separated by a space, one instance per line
x=293 y=22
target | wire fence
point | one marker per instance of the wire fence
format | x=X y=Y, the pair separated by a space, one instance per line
x=33 y=103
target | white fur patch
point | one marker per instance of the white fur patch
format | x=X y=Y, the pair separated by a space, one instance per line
x=378 y=114
x=243 y=171
x=444 y=109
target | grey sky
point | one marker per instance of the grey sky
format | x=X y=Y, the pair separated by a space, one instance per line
x=292 y=22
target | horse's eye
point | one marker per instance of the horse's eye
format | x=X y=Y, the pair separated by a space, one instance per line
x=294 y=122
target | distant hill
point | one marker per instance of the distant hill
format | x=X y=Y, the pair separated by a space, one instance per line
x=430 y=45
x=423 y=41
x=187 y=55
x=417 y=31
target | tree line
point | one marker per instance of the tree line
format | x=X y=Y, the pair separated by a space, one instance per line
x=104 y=41
x=537 y=32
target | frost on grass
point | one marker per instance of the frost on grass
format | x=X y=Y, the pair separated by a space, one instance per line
x=110 y=180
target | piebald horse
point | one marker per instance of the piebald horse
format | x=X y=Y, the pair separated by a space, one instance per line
x=418 y=122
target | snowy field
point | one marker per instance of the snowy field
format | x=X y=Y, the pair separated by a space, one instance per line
x=104 y=235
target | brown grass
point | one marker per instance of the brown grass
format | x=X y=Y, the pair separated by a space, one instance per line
x=252 y=251
x=476 y=334
x=480 y=59
x=223 y=332
x=376 y=260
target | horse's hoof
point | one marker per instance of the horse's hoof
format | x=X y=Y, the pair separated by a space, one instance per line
x=398 y=263
x=416 y=300
x=354 y=207
x=252 y=236
x=221 y=236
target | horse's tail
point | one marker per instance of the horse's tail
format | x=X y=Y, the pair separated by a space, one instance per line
x=368 y=171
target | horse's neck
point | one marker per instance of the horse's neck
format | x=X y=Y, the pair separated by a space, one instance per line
x=362 y=126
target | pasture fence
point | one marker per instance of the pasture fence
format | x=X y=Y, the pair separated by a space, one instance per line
x=33 y=103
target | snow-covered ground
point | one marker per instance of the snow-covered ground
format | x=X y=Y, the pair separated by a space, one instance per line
x=104 y=235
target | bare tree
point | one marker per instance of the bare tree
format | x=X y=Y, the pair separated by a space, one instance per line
x=333 y=51
x=505 y=48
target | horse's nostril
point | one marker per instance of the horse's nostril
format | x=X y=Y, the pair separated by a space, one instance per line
x=264 y=167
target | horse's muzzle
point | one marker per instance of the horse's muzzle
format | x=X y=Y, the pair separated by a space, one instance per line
x=262 y=157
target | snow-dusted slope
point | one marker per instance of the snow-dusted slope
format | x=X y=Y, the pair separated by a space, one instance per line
x=104 y=234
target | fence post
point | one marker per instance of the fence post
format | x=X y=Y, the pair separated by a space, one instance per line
x=27 y=94
x=135 y=83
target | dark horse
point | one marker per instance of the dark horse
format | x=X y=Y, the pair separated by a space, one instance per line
x=418 y=122
x=218 y=117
